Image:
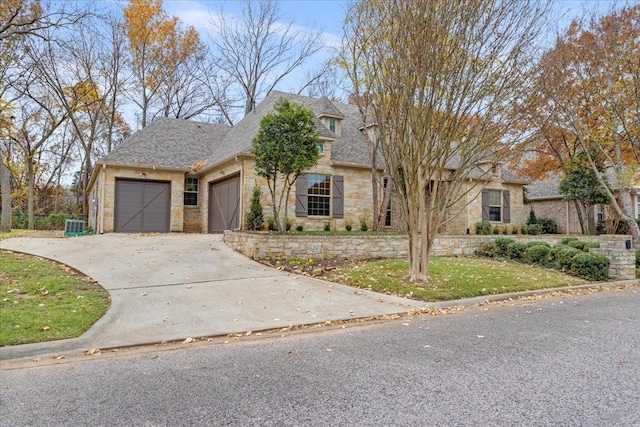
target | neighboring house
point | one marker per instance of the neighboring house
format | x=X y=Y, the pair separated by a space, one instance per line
x=181 y=176
x=547 y=202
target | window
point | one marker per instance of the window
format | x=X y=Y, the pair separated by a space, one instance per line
x=638 y=206
x=599 y=212
x=191 y=191
x=387 y=218
x=318 y=195
x=495 y=205
x=332 y=125
x=320 y=146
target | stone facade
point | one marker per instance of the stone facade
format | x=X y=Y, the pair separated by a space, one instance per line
x=262 y=246
x=103 y=190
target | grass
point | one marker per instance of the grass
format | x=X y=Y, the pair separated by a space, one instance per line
x=453 y=278
x=41 y=300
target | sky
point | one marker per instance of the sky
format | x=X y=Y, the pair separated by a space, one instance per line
x=328 y=17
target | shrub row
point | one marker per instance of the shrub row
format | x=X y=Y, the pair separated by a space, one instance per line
x=54 y=221
x=571 y=256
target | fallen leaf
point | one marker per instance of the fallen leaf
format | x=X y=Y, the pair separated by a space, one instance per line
x=93 y=352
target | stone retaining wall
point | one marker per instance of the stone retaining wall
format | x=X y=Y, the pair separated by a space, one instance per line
x=261 y=246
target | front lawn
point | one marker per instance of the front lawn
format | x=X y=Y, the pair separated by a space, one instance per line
x=452 y=278
x=41 y=300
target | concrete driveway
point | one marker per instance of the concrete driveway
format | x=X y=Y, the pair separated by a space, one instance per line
x=167 y=287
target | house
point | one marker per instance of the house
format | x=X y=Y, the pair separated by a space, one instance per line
x=547 y=202
x=182 y=176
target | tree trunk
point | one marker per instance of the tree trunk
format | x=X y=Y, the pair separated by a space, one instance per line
x=30 y=185
x=5 y=187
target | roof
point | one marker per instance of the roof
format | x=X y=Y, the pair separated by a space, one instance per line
x=168 y=143
x=177 y=143
x=548 y=188
x=350 y=147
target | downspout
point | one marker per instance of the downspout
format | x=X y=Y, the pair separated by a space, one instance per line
x=100 y=222
x=241 y=201
x=567 y=211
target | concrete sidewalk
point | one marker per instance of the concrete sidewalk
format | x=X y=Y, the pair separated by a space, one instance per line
x=167 y=287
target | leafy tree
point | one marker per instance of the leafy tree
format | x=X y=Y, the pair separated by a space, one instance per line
x=589 y=90
x=168 y=64
x=285 y=146
x=255 y=216
x=441 y=79
x=580 y=183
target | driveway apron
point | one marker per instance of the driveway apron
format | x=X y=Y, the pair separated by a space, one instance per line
x=167 y=287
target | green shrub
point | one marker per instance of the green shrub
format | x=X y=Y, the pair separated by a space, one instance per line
x=254 y=219
x=483 y=227
x=536 y=243
x=327 y=226
x=547 y=226
x=502 y=244
x=348 y=225
x=537 y=254
x=533 y=229
x=515 y=229
x=568 y=240
x=299 y=227
x=19 y=221
x=363 y=224
x=505 y=230
x=54 y=221
x=488 y=249
x=495 y=230
x=562 y=256
x=590 y=266
x=516 y=250
x=288 y=225
x=532 y=217
x=588 y=245
x=584 y=246
x=271 y=223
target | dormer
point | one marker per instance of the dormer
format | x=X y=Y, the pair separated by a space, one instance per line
x=330 y=116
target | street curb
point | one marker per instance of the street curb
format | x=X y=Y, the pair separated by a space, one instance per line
x=78 y=344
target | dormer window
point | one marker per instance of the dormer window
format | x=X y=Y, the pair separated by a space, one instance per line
x=332 y=125
x=320 y=146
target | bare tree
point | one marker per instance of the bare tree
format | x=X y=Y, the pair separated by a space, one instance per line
x=259 y=50
x=21 y=21
x=443 y=77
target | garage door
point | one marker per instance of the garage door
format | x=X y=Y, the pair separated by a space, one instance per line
x=142 y=206
x=224 y=204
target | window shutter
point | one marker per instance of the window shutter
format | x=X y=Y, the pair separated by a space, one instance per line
x=506 y=207
x=485 y=205
x=301 y=196
x=338 y=196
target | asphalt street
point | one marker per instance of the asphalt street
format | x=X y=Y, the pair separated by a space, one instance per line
x=556 y=361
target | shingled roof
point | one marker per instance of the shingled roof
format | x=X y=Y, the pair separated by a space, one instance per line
x=349 y=148
x=168 y=143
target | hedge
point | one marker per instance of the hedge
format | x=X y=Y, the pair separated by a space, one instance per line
x=590 y=266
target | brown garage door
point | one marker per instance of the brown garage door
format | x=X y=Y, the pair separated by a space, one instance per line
x=142 y=206
x=224 y=204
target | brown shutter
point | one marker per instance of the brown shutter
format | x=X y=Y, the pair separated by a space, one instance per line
x=301 y=196
x=337 y=193
x=485 y=205
x=506 y=207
